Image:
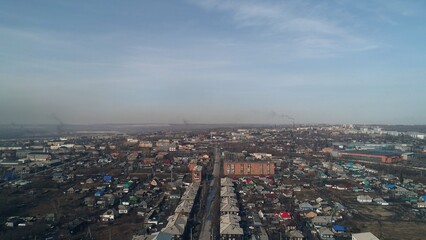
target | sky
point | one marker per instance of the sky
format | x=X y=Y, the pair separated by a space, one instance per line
x=206 y=61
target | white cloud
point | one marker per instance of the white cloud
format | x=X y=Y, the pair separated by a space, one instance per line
x=312 y=25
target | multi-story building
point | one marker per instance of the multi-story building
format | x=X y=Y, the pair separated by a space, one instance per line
x=248 y=168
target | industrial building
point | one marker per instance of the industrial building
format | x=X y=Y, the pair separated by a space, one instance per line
x=371 y=156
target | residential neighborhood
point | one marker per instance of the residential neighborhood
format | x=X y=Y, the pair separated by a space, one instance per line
x=270 y=183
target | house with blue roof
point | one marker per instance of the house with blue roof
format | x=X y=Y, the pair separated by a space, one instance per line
x=338 y=228
x=107 y=178
x=390 y=186
x=100 y=192
x=9 y=176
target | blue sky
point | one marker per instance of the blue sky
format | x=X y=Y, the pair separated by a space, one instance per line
x=205 y=61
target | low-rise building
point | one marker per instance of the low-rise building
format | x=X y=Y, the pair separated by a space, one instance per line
x=364 y=199
x=364 y=236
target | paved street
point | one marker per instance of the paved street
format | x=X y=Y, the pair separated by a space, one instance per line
x=208 y=230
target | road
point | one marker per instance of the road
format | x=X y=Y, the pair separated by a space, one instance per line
x=211 y=210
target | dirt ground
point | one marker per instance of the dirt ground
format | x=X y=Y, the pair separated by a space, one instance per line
x=394 y=230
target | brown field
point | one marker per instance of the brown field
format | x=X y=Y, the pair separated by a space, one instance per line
x=388 y=230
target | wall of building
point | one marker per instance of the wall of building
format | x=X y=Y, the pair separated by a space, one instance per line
x=247 y=168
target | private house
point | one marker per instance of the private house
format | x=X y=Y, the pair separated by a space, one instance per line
x=364 y=199
x=325 y=233
x=290 y=225
x=421 y=205
x=58 y=177
x=296 y=235
x=89 y=201
x=283 y=215
x=321 y=221
x=123 y=209
x=109 y=215
x=39 y=157
x=403 y=192
x=338 y=228
x=311 y=214
x=305 y=206
x=107 y=179
x=100 y=192
x=364 y=236
x=381 y=201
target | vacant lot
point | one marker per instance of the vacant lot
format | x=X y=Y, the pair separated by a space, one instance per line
x=391 y=230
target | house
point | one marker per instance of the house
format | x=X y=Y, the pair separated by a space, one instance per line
x=403 y=192
x=296 y=235
x=339 y=207
x=305 y=206
x=70 y=190
x=37 y=157
x=381 y=201
x=107 y=179
x=283 y=215
x=89 y=181
x=364 y=199
x=109 y=215
x=364 y=236
x=389 y=186
x=321 y=221
x=290 y=225
x=109 y=199
x=325 y=233
x=288 y=193
x=13 y=221
x=89 y=201
x=311 y=214
x=123 y=209
x=143 y=204
x=58 y=177
x=338 y=228
x=421 y=205
x=100 y=192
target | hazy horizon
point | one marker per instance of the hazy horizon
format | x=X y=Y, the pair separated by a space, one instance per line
x=213 y=62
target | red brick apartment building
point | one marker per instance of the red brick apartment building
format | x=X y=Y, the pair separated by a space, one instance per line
x=196 y=172
x=248 y=168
